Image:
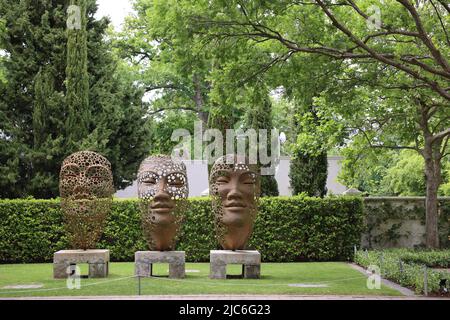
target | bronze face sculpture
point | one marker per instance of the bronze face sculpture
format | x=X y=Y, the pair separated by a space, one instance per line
x=234 y=187
x=162 y=190
x=86 y=188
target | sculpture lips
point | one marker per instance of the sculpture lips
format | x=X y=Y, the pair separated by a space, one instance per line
x=235 y=205
x=161 y=207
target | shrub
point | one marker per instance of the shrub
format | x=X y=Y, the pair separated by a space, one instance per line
x=286 y=229
x=406 y=266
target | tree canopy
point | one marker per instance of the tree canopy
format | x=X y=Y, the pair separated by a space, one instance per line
x=34 y=107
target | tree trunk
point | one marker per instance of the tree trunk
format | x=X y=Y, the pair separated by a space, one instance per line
x=433 y=180
x=199 y=103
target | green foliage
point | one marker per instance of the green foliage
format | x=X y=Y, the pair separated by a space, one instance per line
x=259 y=116
x=34 y=101
x=2 y=35
x=361 y=80
x=386 y=172
x=364 y=168
x=31 y=230
x=170 y=61
x=445 y=189
x=286 y=229
x=308 y=173
x=303 y=228
x=77 y=79
x=405 y=266
x=269 y=186
x=163 y=126
x=406 y=177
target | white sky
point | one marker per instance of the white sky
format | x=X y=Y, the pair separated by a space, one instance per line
x=117 y=10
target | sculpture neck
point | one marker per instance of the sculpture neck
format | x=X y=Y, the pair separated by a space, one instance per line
x=163 y=237
x=235 y=238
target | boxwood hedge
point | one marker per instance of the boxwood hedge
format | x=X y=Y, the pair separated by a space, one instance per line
x=286 y=229
x=406 y=266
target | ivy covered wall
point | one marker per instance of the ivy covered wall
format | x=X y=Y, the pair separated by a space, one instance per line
x=399 y=222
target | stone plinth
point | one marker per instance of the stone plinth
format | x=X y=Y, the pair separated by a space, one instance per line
x=250 y=260
x=64 y=260
x=144 y=260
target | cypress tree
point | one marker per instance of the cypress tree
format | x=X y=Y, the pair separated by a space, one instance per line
x=34 y=111
x=77 y=79
x=259 y=116
x=308 y=174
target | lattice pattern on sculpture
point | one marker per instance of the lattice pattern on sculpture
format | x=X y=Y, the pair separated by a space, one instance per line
x=163 y=190
x=234 y=188
x=86 y=189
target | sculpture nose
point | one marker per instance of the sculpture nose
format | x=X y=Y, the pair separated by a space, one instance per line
x=234 y=192
x=161 y=193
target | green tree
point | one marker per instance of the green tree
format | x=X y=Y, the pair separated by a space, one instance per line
x=179 y=70
x=2 y=34
x=405 y=177
x=387 y=172
x=308 y=174
x=394 y=88
x=172 y=64
x=365 y=168
x=34 y=109
x=259 y=116
x=164 y=125
x=77 y=78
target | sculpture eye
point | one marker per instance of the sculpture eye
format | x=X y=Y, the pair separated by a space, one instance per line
x=149 y=180
x=248 y=179
x=176 y=183
x=222 y=180
x=176 y=180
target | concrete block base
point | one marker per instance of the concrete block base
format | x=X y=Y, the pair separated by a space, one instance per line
x=64 y=262
x=144 y=260
x=250 y=260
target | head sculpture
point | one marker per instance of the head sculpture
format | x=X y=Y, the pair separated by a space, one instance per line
x=163 y=190
x=234 y=187
x=86 y=189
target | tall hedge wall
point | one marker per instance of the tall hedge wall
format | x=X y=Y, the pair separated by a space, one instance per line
x=286 y=229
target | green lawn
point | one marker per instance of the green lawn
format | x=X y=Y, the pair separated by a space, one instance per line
x=275 y=279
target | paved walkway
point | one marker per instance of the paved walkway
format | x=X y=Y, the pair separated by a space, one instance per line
x=405 y=291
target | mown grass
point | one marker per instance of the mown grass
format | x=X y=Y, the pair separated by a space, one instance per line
x=275 y=279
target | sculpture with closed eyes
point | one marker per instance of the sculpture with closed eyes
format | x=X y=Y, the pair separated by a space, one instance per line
x=163 y=191
x=234 y=188
x=86 y=188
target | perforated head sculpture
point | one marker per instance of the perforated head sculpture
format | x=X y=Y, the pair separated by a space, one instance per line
x=86 y=188
x=234 y=187
x=163 y=190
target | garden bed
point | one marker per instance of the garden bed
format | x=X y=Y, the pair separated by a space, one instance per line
x=410 y=268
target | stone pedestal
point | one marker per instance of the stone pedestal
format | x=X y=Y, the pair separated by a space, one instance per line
x=144 y=260
x=64 y=261
x=250 y=260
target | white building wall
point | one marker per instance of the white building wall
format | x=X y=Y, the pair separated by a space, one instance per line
x=197 y=172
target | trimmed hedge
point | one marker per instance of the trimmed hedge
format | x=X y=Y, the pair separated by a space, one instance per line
x=286 y=229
